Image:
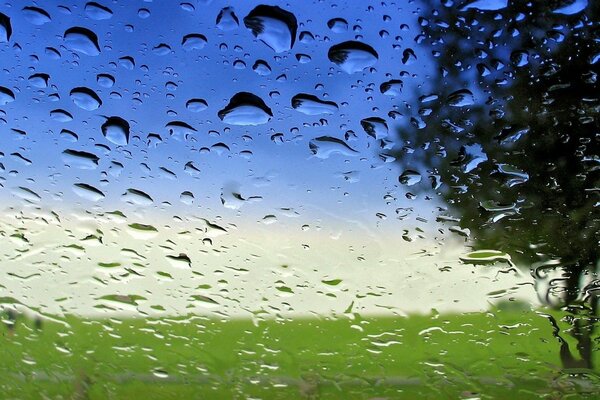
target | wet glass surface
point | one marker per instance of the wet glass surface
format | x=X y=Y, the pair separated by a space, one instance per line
x=321 y=199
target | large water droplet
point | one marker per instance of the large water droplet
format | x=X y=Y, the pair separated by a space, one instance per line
x=87 y=192
x=85 y=98
x=36 y=16
x=485 y=257
x=575 y=7
x=82 y=40
x=461 y=98
x=274 y=26
x=116 y=130
x=98 y=11
x=485 y=5
x=391 y=88
x=227 y=20
x=245 y=109
x=312 y=105
x=353 y=56
x=193 y=41
x=375 y=127
x=61 y=115
x=5 y=28
x=105 y=80
x=196 y=105
x=409 y=177
x=337 y=25
x=6 y=95
x=80 y=159
x=39 y=80
x=325 y=146
x=138 y=197
x=261 y=68
x=180 y=130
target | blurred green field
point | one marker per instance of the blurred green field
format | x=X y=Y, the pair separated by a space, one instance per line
x=504 y=353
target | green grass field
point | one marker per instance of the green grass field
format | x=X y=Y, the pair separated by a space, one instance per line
x=505 y=353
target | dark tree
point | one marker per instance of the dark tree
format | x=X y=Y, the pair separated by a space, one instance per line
x=511 y=142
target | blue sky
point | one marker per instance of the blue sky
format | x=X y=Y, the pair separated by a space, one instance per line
x=154 y=93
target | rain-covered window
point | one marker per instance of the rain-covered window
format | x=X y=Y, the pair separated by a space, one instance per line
x=213 y=199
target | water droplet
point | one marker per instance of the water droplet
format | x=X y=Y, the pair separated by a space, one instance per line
x=161 y=49
x=127 y=62
x=138 y=197
x=187 y=198
x=189 y=7
x=39 y=80
x=512 y=175
x=68 y=135
x=80 y=159
x=105 y=80
x=85 y=98
x=274 y=26
x=227 y=20
x=5 y=28
x=312 y=105
x=193 y=41
x=391 y=88
x=409 y=177
x=196 y=105
x=408 y=57
x=485 y=5
x=61 y=115
x=575 y=7
x=87 y=192
x=159 y=373
x=6 y=96
x=97 y=11
x=116 y=130
x=245 y=109
x=324 y=146
x=261 y=67
x=375 y=127
x=143 y=13
x=353 y=56
x=306 y=37
x=461 y=98
x=36 y=16
x=485 y=257
x=338 y=25
x=27 y=194
x=303 y=58
x=82 y=40
x=179 y=130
